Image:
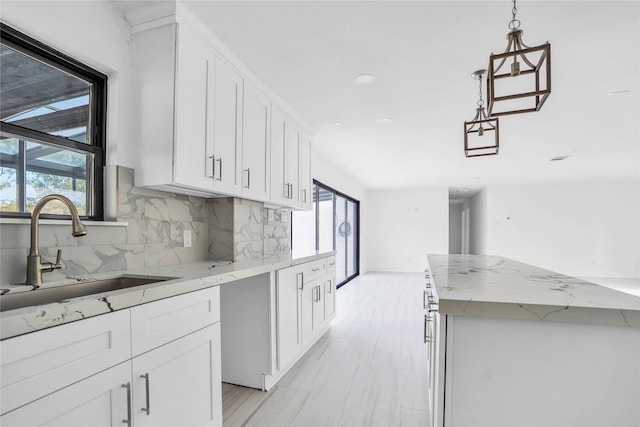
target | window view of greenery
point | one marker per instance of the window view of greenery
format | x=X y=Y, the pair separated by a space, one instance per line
x=46 y=134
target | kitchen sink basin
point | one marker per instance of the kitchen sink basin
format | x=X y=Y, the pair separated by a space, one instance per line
x=62 y=293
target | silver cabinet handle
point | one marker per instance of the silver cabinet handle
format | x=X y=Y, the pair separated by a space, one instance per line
x=248 y=170
x=425 y=328
x=220 y=169
x=128 y=420
x=424 y=299
x=427 y=319
x=330 y=286
x=304 y=192
x=146 y=381
x=301 y=281
x=213 y=163
x=315 y=269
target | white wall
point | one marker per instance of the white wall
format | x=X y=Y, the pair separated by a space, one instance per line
x=579 y=229
x=97 y=34
x=478 y=224
x=455 y=228
x=404 y=225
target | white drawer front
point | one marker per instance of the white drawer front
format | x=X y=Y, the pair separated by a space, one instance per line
x=331 y=265
x=160 y=322
x=42 y=362
x=314 y=269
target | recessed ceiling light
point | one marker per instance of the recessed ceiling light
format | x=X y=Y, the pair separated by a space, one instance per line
x=338 y=123
x=557 y=158
x=364 y=79
x=384 y=120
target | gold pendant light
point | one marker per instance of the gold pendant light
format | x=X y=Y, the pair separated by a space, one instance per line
x=481 y=135
x=525 y=84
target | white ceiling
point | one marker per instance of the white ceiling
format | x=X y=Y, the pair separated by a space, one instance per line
x=422 y=53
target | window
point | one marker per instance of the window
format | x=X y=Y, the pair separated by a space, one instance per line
x=52 y=128
x=332 y=224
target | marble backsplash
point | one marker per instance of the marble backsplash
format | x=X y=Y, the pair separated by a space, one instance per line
x=241 y=230
x=221 y=229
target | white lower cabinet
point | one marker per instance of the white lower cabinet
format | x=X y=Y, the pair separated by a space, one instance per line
x=308 y=306
x=179 y=383
x=86 y=374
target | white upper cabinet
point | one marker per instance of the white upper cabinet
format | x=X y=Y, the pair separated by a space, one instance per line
x=172 y=65
x=290 y=162
x=304 y=172
x=256 y=144
x=225 y=128
x=279 y=184
x=206 y=129
x=191 y=114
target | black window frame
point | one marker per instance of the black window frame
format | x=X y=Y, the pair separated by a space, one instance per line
x=96 y=131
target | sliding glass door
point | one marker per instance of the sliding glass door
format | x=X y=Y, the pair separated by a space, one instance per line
x=333 y=224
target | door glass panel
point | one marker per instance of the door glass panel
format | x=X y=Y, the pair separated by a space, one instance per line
x=325 y=220
x=342 y=231
x=351 y=238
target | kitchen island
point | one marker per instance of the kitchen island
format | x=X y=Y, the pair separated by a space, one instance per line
x=510 y=344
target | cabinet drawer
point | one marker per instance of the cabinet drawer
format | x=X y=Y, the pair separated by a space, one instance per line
x=42 y=362
x=159 y=322
x=331 y=265
x=312 y=270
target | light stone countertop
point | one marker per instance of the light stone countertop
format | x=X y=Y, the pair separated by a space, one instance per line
x=185 y=278
x=493 y=286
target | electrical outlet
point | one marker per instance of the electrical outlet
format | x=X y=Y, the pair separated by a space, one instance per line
x=186 y=238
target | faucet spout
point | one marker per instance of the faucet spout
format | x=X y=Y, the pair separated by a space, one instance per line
x=34 y=267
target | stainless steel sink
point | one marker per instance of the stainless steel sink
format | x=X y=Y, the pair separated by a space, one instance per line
x=62 y=293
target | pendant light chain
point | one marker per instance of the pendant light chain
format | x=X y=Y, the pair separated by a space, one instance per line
x=514 y=23
x=480 y=101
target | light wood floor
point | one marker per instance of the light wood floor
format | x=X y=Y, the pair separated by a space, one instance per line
x=368 y=370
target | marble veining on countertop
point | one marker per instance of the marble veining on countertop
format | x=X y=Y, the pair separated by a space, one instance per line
x=185 y=278
x=492 y=285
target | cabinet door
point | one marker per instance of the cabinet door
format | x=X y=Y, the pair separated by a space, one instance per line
x=100 y=400
x=179 y=384
x=255 y=144
x=279 y=185
x=330 y=297
x=319 y=306
x=292 y=153
x=304 y=171
x=192 y=108
x=225 y=128
x=288 y=320
x=306 y=307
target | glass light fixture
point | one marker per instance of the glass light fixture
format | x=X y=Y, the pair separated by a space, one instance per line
x=525 y=85
x=481 y=135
